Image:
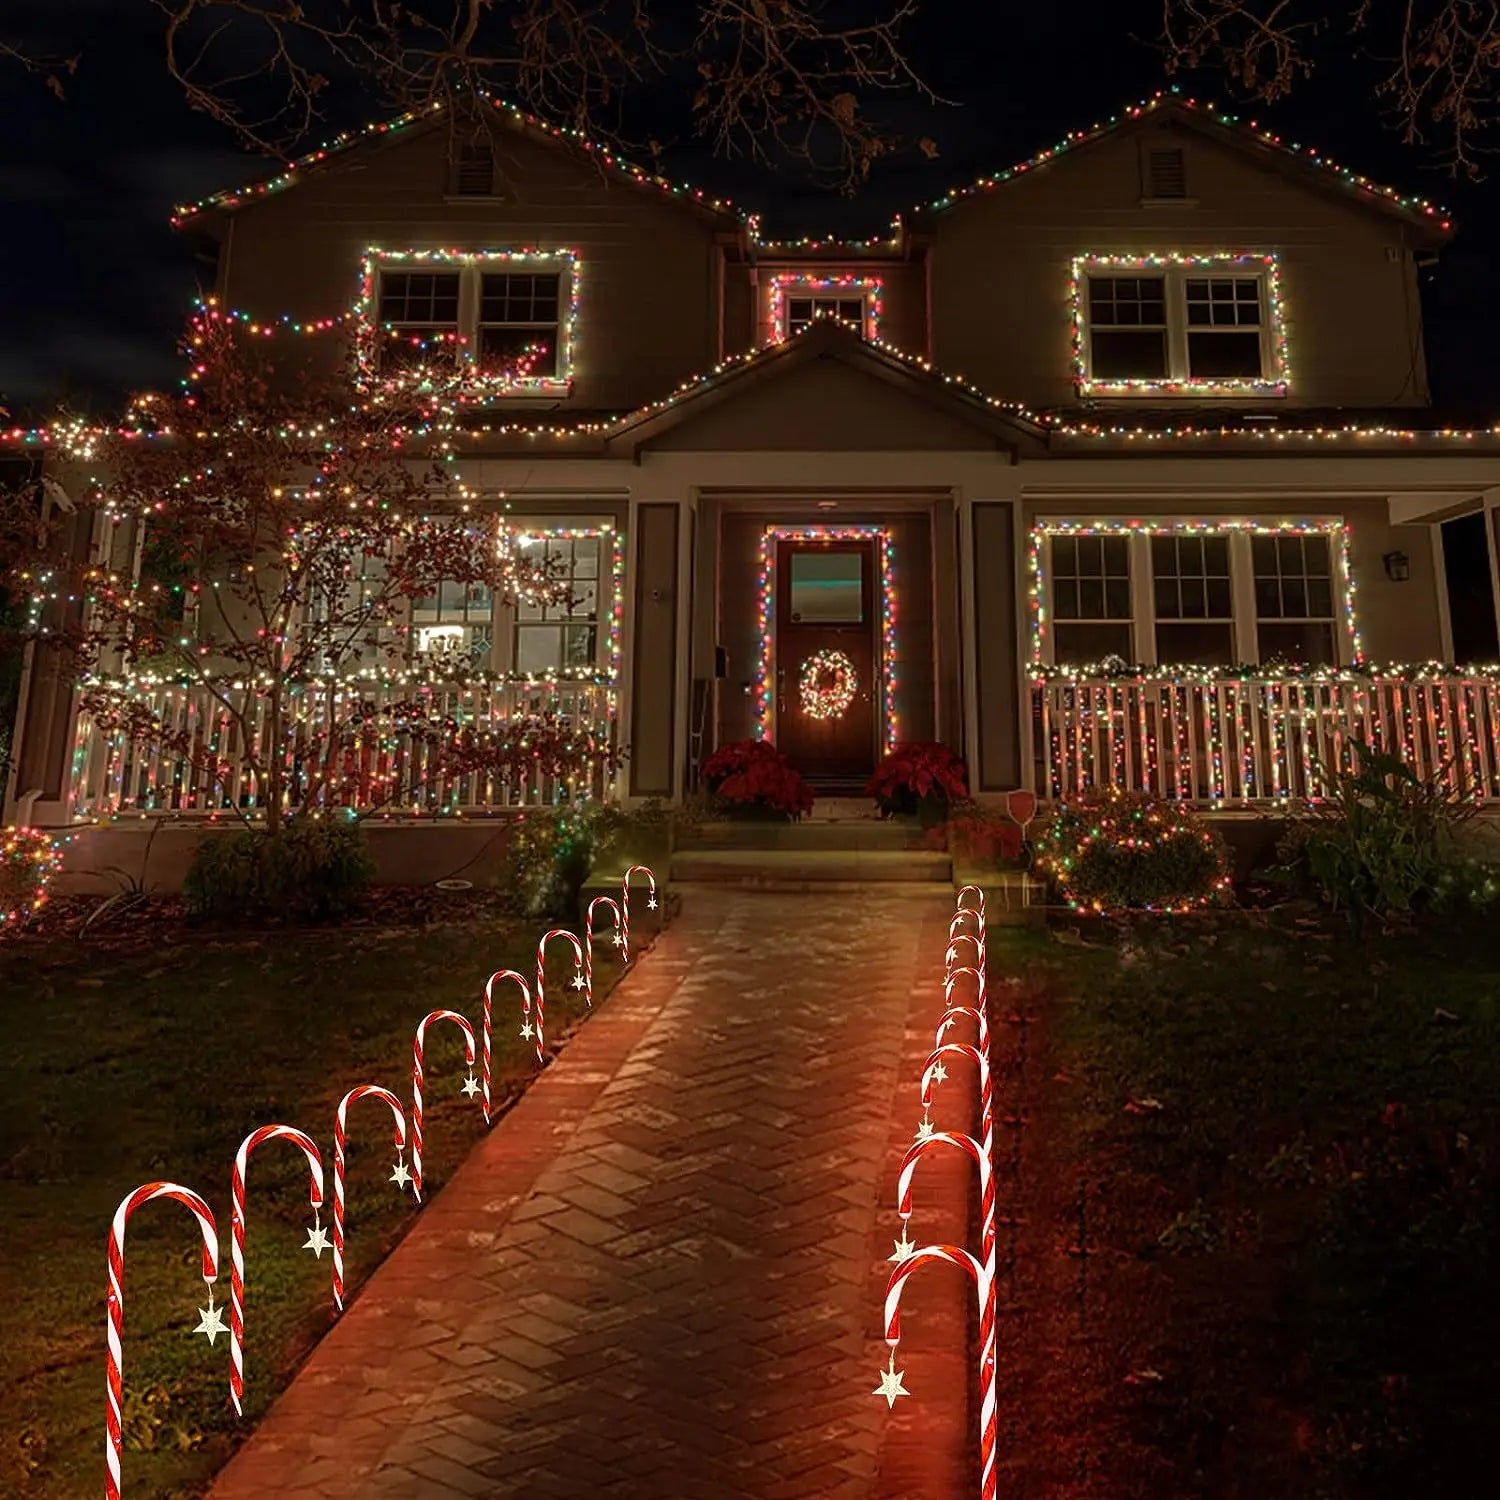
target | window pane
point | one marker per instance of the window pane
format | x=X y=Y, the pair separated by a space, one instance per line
x=1127 y=356
x=419 y=297
x=1117 y=598
x=1203 y=643
x=1082 y=645
x=1065 y=595
x=1267 y=597
x=1065 y=555
x=578 y=646
x=1224 y=356
x=1293 y=577
x=518 y=352
x=1091 y=599
x=1308 y=643
x=826 y=587
x=538 y=649
x=1091 y=577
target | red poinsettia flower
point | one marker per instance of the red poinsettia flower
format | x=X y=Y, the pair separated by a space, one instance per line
x=754 y=774
x=916 y=770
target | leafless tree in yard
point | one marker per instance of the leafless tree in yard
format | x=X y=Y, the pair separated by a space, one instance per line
x=1436 y=63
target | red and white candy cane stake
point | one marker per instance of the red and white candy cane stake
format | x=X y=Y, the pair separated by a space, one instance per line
x=954 y=953
x=237 y=1239
x=970 y=890
x=617 y=918
x=471 y=1087
x=934 y=1074
x=114 y=1327
x=580 y=980
x=984 y=1287
x=486 y=1023
x=363 y=1091
x=964 y=914
x=625 y=902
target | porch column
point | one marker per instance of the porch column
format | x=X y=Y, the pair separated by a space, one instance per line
x=1000 y=724
x=661 y=579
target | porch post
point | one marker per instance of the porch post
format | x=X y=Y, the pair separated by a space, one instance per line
x=660 y=541
x=1000 y=732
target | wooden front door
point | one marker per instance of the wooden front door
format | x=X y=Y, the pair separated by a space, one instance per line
x=827 y=623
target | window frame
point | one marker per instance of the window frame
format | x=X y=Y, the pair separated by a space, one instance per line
x=472 y=266
x=1245 y=617
x=1175 y=271
x=786 y=285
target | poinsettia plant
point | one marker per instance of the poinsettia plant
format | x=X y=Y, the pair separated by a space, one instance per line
x=918 y=777
x=753 y=778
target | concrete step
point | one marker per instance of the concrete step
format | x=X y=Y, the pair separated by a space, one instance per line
x=811 y=866
x=844 y=834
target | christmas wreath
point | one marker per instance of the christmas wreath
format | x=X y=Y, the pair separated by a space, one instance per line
x=828 y=684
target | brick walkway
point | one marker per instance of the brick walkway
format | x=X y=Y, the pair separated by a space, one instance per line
x=660 y=1274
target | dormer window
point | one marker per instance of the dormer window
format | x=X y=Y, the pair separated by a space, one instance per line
x=474 y=170
x=798 y=301
x=1174 y=325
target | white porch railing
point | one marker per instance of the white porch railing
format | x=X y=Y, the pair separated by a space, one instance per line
x=113 y=773
x=1241 y=741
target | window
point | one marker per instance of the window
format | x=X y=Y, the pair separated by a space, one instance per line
x=474 y=170
x=561 y=637
x=455 y=627
x=505 y=317
x=1090 y=595
x=1194 y=615
x=801 y=312
x=518 y=322
x=1166 y=173
x=827 y=588
x=1180 y=594
x=420 y=311
x=1294 y=590
x=1172 y=325
x=354 y=618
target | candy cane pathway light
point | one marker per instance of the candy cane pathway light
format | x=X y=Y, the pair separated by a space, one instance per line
x=400 y=1176
x=212 y=1322
x=616 y=917
x=984 y=1286
x=486 y=1021
x=580 y=979
x=951 y=957
x=625 y=901
x=316 y=1240
x=970 y=890
x=417 y=1044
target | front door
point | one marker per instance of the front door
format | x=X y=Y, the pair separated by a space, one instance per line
x=828 y=690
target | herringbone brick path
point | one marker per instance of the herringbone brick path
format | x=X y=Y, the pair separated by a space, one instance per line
x=659 y=1275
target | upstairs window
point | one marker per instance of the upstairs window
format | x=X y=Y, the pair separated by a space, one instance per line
x=798 y=301
x=502 y=320
x=1178 y=325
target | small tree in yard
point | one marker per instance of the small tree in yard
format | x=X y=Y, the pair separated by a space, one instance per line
x=287 y=526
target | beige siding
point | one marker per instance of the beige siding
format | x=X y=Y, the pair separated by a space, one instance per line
x=1000 y=270
x=648 y=314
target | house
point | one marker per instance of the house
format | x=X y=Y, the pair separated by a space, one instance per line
x=1116 y=466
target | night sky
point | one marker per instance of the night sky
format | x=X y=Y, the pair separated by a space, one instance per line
x=93 y=282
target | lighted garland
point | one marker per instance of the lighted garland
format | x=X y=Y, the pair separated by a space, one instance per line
x=29 y=858
x=1112 y=851
x=828 y=685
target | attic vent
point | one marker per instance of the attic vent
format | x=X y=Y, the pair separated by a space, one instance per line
x=1166 y=174
x=474 y=171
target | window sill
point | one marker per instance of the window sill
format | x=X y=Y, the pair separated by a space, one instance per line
x=1177 y=390
x=1168 y=202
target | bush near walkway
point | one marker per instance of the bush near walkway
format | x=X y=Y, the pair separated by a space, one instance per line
x=151 y=1052
x=1290 y=1145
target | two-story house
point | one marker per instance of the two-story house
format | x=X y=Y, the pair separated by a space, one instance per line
x=1156 y=398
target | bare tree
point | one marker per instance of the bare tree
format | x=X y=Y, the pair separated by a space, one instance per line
x=761 y=78
x=1436 y=62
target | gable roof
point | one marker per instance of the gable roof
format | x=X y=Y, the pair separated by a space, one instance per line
x=1306 y=163
x=420 y=120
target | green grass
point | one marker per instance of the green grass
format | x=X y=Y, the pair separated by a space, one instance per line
x=1300 y=1135
x=153 y=1057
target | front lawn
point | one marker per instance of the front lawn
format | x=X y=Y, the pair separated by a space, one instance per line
x=150 y=1052
x=1286 y=1146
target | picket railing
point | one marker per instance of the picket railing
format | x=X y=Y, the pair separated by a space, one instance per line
x=1241 y=741
x=403 y=770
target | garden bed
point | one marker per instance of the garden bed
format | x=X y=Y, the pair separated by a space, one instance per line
x=149 y=1048
x=1262 y=1185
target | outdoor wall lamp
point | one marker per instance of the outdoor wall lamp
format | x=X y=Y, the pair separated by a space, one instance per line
x=1397 y=566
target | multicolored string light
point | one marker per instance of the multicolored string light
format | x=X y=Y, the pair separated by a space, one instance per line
x=828 y=684
x=29 y=859
x=765 y=672
x=801 y=284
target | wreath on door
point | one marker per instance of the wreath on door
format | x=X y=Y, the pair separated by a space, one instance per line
x=828 y=684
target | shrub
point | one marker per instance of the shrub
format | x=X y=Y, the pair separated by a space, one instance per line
x=1380 y=843
x=981 y=836
x=308 y=871
x=1125 y=851
x=547 y=860
x=919 y=777
x=641 y=835
x=752 y=778
x=29 y=857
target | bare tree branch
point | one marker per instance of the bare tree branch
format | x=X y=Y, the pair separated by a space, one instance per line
x=1436 y=63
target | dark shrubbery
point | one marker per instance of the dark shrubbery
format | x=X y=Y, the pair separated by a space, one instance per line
x=307 y=871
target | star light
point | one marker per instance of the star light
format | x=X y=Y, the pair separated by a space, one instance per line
x=400 y=1176
x=904 y=1250
x=579 y=982
x=212 y=1319
x=526 y=1031
x=939 y=1072
x=890 y=1384
x=317 y=1238
x=650 y=906
x=470 y=1086
x=925 y=1129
